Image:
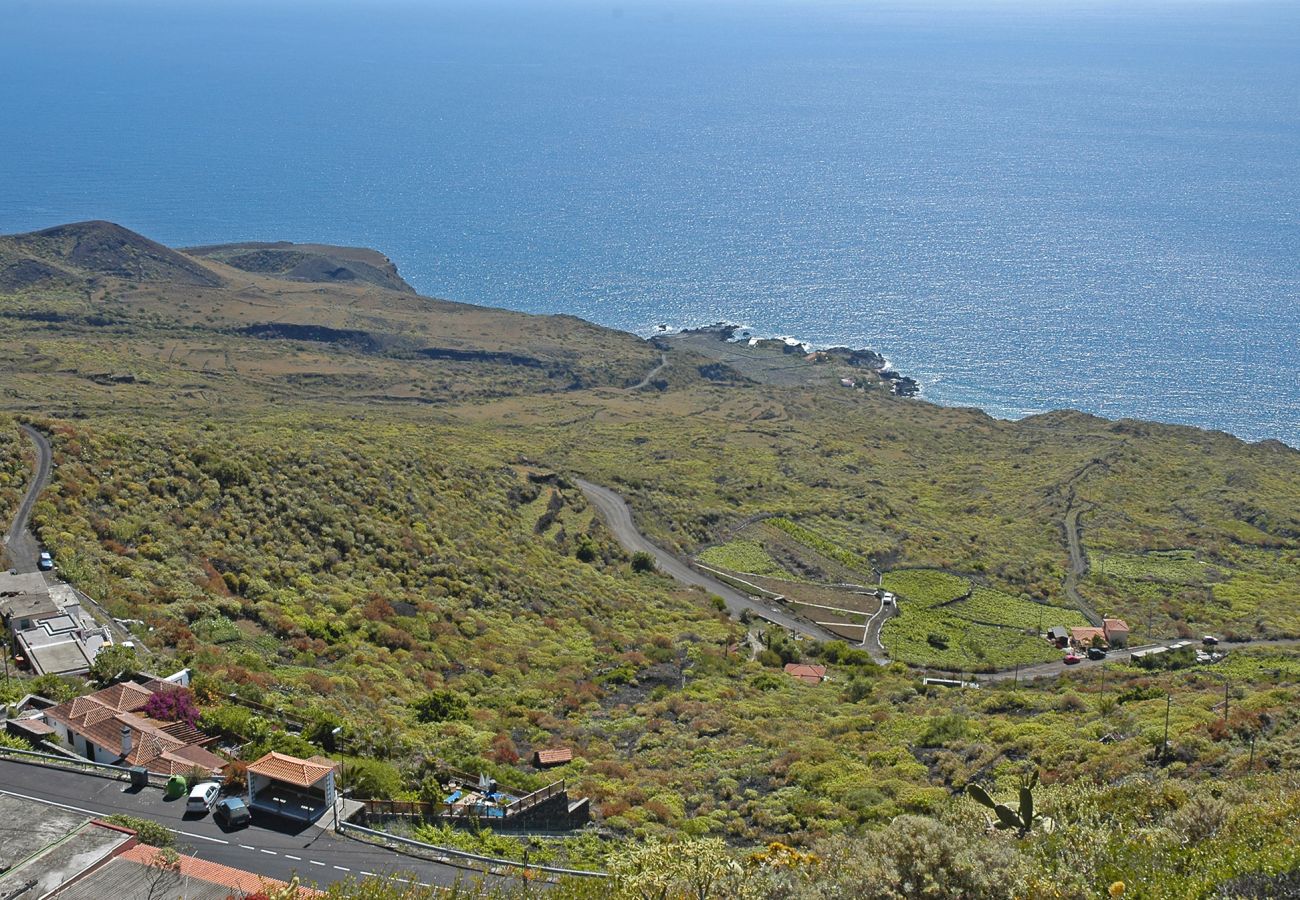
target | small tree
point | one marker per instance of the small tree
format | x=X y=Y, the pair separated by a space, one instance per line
x=643 y=562
x=112 y=664
x=441 y=706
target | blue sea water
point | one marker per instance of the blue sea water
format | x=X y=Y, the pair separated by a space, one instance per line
x=1025 y=205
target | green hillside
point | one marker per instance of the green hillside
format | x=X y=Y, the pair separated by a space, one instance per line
x=343 y=517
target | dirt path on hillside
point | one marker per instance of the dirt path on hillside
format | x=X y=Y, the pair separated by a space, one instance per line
x=1072 y=528
x=645 y=382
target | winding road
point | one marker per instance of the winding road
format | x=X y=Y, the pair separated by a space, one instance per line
x=20 y=544
x=617 y=516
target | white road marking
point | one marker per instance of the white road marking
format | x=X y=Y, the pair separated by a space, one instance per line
x=368 y=874
x=271 y=852
x=201 y=837
x=294 y=858
x=100 y=815
x=343 y=868
x=246 y=847
x=314 y=863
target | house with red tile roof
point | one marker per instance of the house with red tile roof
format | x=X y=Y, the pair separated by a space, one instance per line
x=108 y=727
x=1116 y=632
x=1082 y=638
x=809 y=674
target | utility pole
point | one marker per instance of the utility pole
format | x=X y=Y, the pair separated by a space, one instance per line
x=337 y=734
x=1016 y=683
x=1251 y=765
x=1226 y=684
x=1164 y=749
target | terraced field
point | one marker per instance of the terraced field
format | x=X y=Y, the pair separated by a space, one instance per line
x=991 y=607
x=1170 y=566
x=946 y=622
x=747 y=557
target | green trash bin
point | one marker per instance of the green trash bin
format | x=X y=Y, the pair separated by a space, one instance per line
x=176 y=787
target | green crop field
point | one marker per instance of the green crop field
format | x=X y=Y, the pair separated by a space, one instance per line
x=994 y=607
x=935 y=637
x=1173 y=566
x=987 y=630
x=744 y=556
x=925 y=587
x=823 y=545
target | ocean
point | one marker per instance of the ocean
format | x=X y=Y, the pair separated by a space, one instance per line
x=1026 y=206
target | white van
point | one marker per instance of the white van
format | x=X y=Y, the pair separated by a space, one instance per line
x=202 y=797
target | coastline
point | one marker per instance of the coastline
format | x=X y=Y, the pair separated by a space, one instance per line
x=777 y=359
x=740 y=335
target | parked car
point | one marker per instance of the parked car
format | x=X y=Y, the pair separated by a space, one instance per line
x=46 y=562
x=1072 y=659
x=232 y=813
x=1096 y=653
x=202 y=797
x=1209 y=640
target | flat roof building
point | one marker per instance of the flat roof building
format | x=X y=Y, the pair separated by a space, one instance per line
x=25 y=600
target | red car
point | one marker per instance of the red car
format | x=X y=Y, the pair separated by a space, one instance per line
x=1072 y=659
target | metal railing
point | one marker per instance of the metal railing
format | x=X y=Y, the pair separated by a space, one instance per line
x=528 y=801
x=421 y=808
x=56 y=761
x=449 y=853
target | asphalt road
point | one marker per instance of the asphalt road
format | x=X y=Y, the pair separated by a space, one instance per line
x=313 y=853
x=616 y=514
x=20 y=545
x=1058 y=667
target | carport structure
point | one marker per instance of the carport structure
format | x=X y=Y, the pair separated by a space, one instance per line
x=293 y=788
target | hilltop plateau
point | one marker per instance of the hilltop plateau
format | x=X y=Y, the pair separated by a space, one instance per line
x=329 y=494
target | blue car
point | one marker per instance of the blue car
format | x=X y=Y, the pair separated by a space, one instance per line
x=232 y=813
x=45 y=563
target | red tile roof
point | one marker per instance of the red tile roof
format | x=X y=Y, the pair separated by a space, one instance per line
x=166 y=748
x=555 y=757
x=1086 y=634
x=79 y=712
x=1115 y=625
x=213 y=873
x=292 y=770
x=806 y=673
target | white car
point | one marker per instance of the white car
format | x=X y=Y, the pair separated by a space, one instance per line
x=202 y=797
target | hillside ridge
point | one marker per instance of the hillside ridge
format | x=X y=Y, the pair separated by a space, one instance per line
x=81 y=251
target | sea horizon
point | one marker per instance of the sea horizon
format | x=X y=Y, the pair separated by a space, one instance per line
x=1025 y=208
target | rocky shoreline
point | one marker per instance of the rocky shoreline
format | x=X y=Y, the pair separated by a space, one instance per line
x=735 y=340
